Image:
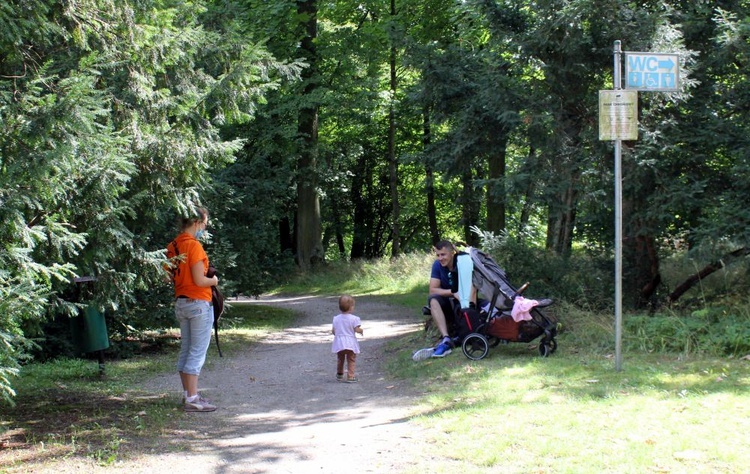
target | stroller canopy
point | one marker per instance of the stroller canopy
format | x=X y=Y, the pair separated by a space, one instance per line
x=490 y=280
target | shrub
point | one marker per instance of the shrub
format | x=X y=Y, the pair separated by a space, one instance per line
x=714 y=331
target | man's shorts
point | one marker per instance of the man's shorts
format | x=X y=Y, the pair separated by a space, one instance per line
x=449 y=306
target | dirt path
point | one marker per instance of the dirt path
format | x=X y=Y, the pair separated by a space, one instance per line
x=282 y=410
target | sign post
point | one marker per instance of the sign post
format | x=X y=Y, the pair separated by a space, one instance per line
x=618 y=221
x=618 y=121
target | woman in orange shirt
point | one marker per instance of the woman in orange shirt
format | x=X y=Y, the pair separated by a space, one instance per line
x=193 y=308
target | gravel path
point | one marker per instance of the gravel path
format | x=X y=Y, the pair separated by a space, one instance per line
x=282 y=410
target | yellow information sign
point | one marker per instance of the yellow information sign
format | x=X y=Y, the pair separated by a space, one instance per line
x=618 y=115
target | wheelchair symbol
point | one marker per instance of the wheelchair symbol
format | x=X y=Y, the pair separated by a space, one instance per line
x=652 y=80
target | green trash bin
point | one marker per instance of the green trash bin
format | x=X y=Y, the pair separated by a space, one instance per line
x=90 y=330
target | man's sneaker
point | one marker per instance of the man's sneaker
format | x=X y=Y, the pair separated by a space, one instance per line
x=423 y=354
x=442 y=350
x=199 y=405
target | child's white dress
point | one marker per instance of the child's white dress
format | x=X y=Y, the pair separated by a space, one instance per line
x=344 y=335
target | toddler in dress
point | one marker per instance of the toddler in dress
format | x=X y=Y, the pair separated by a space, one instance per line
x=346 y=326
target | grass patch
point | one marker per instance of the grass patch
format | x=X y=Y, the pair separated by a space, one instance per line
x=65 y=408
x=572 y=412
x=402 y=278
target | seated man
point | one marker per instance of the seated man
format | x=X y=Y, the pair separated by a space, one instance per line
x=443 y=300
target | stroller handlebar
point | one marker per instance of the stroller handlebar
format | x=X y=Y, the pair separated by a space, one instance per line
x=523 y=288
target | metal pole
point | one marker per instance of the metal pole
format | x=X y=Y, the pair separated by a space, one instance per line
x=618 y=222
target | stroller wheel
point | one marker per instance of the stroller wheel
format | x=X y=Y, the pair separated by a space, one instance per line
x=543 y=349
x=547 y=347
x=475 y=346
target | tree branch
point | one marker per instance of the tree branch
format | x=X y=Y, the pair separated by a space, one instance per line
x=705 y=271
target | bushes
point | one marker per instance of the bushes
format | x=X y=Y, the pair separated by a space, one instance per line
x=583 y=285
x=713 y=331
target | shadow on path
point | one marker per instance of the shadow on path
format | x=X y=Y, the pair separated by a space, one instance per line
x=282 y=410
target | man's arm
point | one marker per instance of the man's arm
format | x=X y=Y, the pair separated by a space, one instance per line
x=436 y=289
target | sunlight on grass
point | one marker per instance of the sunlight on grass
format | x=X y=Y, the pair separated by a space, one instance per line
x=518 y=413
x=405 y=274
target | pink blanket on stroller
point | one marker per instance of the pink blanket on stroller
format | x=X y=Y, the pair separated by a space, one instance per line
x=522 y=309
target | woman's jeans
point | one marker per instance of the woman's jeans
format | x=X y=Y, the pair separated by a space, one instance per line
x=196 y=317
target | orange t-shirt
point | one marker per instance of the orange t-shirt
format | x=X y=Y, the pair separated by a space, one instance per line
x=191 y=252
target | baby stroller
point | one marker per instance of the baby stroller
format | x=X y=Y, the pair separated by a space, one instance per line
x=496 y=324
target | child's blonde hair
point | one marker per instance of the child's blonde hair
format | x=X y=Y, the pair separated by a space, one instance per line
x=346 y=303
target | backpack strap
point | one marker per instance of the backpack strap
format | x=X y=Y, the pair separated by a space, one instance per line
x=218 y=305
x=173 y=269
x=216 y=336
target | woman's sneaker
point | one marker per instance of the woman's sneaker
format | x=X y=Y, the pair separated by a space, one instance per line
x=200 y=404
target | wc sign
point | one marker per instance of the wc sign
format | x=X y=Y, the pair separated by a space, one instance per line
x=652 y=71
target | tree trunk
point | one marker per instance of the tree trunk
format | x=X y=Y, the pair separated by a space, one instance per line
x=529 y=194
x=496 y=190
x=334 y=231
x=393 y=165
x=429 y=180
x=470 y=200
x=641 y=277
x=308 y=230
x=567 y=169
x=561 y=221
x=340 y=242
x=286 y=241
x=361 y=217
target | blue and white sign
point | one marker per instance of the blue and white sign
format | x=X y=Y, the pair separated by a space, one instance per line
x=652 y=71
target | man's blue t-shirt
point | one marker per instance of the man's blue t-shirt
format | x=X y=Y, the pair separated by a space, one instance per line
x=443 y=274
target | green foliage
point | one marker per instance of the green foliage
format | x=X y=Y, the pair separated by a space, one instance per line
x=716 y=331
x=111 y=115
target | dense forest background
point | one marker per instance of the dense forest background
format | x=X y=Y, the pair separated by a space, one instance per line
x=342 y=130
